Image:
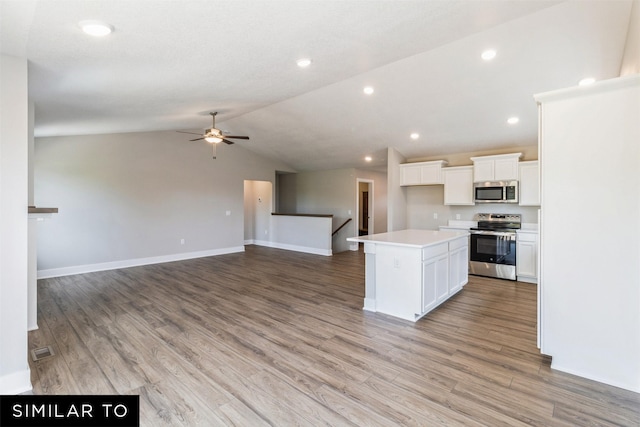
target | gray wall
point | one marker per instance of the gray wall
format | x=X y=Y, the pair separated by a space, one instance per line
x=397 y=197
x=258 y=196
x=379 y=198
x=136 y=195
x=423 y=201
x=333 y=192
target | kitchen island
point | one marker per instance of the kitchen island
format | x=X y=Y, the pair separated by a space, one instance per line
x=408 y=273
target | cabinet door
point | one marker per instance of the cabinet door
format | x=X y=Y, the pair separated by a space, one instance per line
x=442 y=278
x=505 y=170
x=458 y=269
x=429 y=275
x=526 y=259
x=529 y=184
x=483 y=170
x=458 y=185
x=410 y=174
x=431 y=174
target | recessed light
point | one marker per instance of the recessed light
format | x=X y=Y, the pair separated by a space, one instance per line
x=304 y=62
x=368 y=90
x=513 y=120
x=488 y=55
x=96 y=28
x=587 y=81
x=415 y=135
x=368 y=158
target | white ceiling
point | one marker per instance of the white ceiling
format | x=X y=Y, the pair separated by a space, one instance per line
x=168 y=63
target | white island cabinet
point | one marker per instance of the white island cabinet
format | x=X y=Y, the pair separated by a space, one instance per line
x=408 y=273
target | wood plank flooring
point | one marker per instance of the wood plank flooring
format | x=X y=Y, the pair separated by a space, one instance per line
x=272 y=337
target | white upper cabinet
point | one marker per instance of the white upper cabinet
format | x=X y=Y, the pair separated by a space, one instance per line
x=501 y=167
x=529 y=184
x=458 y=185
x=422 y=173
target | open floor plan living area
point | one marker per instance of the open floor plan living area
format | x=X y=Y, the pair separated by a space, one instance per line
x=312 y=212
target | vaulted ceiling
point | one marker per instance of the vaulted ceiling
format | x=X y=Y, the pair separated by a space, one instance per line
x=169 y=63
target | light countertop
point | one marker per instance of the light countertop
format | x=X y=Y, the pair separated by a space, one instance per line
x=411 y=238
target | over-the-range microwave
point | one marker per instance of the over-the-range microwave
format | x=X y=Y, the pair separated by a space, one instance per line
x=496 y=192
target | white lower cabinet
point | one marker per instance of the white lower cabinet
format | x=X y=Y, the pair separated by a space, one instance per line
x=432 y=272
x=458 y=265
x=527 y=256
x=411 y=281
x=435 y=283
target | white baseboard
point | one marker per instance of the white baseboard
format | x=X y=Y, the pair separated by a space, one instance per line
x=305 y=249
x=89 y=268
x=16 y=383
x=369 y=304
x=629 y=387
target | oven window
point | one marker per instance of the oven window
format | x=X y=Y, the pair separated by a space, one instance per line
x=489 y=193
x=493 y=246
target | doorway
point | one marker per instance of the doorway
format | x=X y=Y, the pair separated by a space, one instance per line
x=364 y=207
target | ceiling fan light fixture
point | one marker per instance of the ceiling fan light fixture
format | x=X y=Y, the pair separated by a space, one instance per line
x=368 y=90
x=95 y=28
x=414 y=135
x=368 y=158
x=303 y=62
x=513 y=120
x=213 y=139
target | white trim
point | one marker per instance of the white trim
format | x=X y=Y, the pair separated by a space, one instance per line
x=370 y=304
x=305 y=249
x=593 y=377
x=599 y=86
x=89 y=268
x=16 y=382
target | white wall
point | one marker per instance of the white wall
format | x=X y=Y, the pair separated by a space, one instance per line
x=14 y=194
x=590 y=231
x=127 y=199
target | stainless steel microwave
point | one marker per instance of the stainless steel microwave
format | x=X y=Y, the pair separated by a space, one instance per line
x=496 y=192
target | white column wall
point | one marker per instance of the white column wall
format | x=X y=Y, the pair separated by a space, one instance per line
x=14 y=137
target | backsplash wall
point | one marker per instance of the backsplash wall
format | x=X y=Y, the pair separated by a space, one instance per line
x=424 y=201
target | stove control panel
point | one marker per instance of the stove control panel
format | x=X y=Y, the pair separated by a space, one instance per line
x=498 y=217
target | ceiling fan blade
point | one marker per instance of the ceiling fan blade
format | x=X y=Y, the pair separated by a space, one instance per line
x=226 y=141
x=236 y=137
x=197 y=139
x=192 y=133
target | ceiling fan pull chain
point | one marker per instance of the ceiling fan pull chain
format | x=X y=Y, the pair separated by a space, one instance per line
x=214 y=151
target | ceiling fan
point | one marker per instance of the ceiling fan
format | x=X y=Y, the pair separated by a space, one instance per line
x=215 y=136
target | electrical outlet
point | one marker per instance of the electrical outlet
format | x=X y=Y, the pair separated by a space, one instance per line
x=182 y=241
x=349 y=211
x=396 y=263
x=266 y=232
x=435 y=215
x=228 y=213
x=457 y=216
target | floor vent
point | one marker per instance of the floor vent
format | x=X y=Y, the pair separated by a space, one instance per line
x=41 y=353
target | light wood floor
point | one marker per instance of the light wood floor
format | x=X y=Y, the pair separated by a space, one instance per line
x=271 y=337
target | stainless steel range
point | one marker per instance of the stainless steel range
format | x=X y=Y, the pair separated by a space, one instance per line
x=493 y=245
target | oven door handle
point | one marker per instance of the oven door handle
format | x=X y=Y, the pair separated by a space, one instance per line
x=511 y=236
